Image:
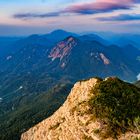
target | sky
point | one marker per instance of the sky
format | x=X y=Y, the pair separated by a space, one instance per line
x=25 y=17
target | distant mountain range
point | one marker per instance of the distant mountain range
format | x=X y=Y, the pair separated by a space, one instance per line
x=65 y=53
x=120 y=39
x=34 y=65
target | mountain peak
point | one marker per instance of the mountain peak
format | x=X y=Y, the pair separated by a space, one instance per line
x=62 y=33
x=59 y=31
x=70 y=39
x=86 y=113
x=63 y=48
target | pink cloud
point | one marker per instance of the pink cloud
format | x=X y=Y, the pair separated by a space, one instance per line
x=117 y=1
x=101 y=6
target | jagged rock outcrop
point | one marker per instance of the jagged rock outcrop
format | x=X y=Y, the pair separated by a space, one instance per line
x=73 y=121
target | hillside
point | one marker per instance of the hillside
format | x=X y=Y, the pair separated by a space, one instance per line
x=30 y=109
x=95 y=109
x=82 y=59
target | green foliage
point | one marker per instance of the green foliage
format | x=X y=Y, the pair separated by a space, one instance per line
x=96 y=131
x=136 y=138
x=32 y=110
x=117 y=104
x=85 y=137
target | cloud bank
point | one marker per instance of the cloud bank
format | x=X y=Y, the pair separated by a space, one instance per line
x=35 y=15
x=99 y=6
x=122 y=17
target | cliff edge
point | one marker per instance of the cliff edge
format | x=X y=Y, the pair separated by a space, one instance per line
x=78 y=118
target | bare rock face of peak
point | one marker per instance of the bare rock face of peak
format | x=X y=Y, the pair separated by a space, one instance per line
x=65 y=123
x=75 y=119
x=62 y=49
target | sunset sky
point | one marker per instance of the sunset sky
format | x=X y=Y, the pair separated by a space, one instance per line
x=24 y=17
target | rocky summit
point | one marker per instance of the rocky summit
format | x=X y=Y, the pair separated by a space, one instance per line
x=95 y=109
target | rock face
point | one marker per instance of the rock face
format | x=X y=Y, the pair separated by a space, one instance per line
x=71 y=121
x=138 y=83
x=62 y=49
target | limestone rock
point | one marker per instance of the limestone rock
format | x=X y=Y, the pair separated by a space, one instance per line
x=71 y=121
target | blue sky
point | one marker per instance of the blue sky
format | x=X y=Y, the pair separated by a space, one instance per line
x=24 y=17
